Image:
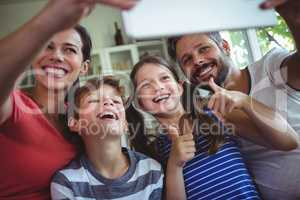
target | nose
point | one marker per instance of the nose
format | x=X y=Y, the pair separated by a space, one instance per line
x=57 y=55
x=108 y=102
x=158 y=85
x=198 y=59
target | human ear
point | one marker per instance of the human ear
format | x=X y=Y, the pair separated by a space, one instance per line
x=73 y=124
x=226 y=47
x=85 y=67
x=180 y=87
x=126 y=129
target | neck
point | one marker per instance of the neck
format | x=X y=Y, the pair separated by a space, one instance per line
x=237 y=80
x=51 y=101
x=107 y=156
x=171 y=119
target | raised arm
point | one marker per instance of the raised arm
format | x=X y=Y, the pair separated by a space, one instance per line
x=183 y=149
x=19 y=48
x=253 y=120
x=290 y=11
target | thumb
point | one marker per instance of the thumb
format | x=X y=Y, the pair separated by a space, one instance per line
x=173 y=133
x=185 y=124
x=213 y=85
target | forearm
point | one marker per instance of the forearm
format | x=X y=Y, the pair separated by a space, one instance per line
x=272 y=127
x=17 y=51
x=174 y=183
x=291 y=18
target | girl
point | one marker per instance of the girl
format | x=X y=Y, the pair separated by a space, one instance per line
x=203 y=159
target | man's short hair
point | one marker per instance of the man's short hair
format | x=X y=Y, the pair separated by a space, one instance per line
x=172 y=41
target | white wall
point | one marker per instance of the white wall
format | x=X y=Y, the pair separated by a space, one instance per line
x=100 y=23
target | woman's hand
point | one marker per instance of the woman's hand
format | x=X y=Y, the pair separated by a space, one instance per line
x=59 y=15
x=122 y=4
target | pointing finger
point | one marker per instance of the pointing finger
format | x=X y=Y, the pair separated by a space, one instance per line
x=213 y=85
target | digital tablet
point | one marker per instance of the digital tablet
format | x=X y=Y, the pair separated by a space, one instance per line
x=158 y=18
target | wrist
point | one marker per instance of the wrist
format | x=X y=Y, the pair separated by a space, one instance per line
x=246 y=103
x=174 y=163
x=174 y=166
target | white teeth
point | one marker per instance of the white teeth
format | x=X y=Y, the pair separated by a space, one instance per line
x=108 y=115
x=55 y=72
x=162 y=97
x=206 y=70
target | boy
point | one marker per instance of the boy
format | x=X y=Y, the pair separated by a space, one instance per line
x=105 y=170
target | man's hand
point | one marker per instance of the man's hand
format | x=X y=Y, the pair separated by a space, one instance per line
x=225 y=101
x=288 y=9
x=272 y=3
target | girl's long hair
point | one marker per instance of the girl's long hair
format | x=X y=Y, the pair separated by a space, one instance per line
x=141 y=141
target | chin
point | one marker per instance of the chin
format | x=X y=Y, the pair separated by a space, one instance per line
x=53 y=84
x=114 y=130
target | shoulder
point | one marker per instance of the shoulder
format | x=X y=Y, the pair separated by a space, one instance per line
x=22 y=101
x=61 y=186
x=147 y=171
x=274 y=56
x=143 y=161
x=73 y=172
x=267 y=65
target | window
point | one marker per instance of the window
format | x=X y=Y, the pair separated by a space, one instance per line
x=250 y=45
x=271 y=37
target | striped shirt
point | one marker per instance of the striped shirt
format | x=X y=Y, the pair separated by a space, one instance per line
x=80 y=181
x=218 y=176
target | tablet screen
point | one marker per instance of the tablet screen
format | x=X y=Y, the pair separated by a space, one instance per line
x=158 y=18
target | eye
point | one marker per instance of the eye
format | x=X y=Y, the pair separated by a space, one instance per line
x=145 y=85
x=93 y=101
x=70 y=50
x=165 y=77
x=117 y=101
x=203 y=49
x=50 y=47
x=186 y=60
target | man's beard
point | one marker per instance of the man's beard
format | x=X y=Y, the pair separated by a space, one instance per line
x=224 y=63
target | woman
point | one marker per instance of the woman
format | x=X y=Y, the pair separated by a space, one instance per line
x=32 y=146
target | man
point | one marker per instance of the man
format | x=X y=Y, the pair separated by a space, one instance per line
x=273 y=81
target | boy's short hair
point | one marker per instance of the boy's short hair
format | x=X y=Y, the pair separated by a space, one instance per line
x=90 y=86
x=172 y=41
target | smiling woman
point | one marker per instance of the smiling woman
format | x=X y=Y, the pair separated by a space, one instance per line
x=32 y=142
x=61 y=62
x=56 y=68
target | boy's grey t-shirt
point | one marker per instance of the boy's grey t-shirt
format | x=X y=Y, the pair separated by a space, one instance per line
x=80 y=181
x=276 y=173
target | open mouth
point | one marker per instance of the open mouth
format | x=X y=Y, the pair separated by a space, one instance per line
x=161 y=98
x=108 y=115
x=56 y=72
x=204 y=72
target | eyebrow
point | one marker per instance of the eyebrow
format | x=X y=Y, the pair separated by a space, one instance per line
x=162 y=73
x=67 y=44
x=70 y=44
x=194 y=47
